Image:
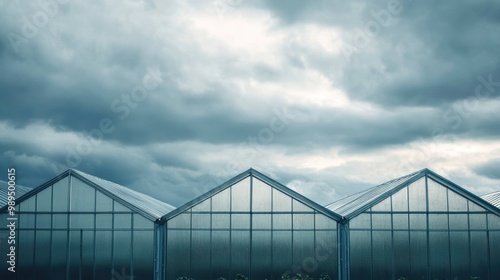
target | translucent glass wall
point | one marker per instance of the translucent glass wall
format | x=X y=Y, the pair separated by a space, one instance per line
x=253 y=229
x=72 y=231
x=425 y=231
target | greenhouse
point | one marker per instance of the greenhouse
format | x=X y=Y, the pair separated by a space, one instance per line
x=420 y=226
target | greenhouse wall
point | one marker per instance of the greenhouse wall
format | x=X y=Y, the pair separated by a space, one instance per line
x=425 y=231
x=253 y=229
x=70 y=230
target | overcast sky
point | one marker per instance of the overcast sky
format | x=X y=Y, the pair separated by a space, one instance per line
x=172 y=98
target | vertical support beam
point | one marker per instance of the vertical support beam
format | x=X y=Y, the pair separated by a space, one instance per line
x=343 y=250
x=160 y=237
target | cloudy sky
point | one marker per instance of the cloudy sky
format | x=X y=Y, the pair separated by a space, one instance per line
x=172 y=98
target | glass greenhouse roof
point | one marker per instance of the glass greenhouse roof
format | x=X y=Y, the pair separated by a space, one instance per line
x=143 y=203
x=20 y=190
x=351 y=204
x=493 y=198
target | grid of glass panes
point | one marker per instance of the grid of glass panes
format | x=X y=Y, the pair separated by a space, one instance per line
x=72 y=231
x=253 y=229
x=425 y=230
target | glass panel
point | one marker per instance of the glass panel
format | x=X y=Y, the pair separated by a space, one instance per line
x=300 y=207
x=43 y=221
x=142 y=223
x=28 y=205
x=59 y=249
x=459 y=252
x=303 y=221
x=123 y=221
x=382 y=259
x=261 y=199
x=418 y=254
x=27 y=221
x=103 y=202
x=282 y=221
x=456 y=202
x=180 y=221
x=240 y=252
x=240 y=195
x=494 y=254
x=459 y=221
x=381 y=221
x=42 y=249
x=82 y=196
x=439 y=255
x=220 y=254
x=178 y=254
x=103 y=258
x=438 y=221
x=81 y=221
x=60 y=195
x=44 y=200
x=220 y=221
x=261 y=255
x=479 y=258
x=401 y=254
x=59 y=221
x=417 y=195
x=281 y=202
x=384 y=205
x=261 y=221
x=400 y=200
x=143 y=254
x=493 y=221
x=360 y=252
x=400 y=221
x=324 y=222
x=221 y=201
x=104 y=221
x=201 y=221
x=418 y=221
x=240 y=221
x=477 y=221
x=303 y=249
x=200 y=253
x=438 y=200
x=361 y=221
x=475 y=208
x=117 y=207
x=87 y=256
x=203 y=206
x=122 y=252
x=326 y=251
x=26 y=252
x=282 y=252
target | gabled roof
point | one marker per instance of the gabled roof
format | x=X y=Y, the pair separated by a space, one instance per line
x=263 y=178
x=355 y=204
x=346 y=207
x=20 y=190
x=148 y=206
x=145 y=205
x=493 y=198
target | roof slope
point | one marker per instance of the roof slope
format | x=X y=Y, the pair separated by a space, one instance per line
x=149 y=206
x=355 y=204
x=145 y=205
x=493 y=198
x=263 y=178
x=351 y=204
x=20 y=190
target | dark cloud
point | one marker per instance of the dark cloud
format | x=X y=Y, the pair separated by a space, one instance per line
x=490 y=169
